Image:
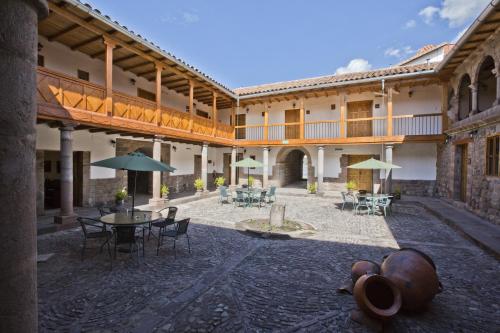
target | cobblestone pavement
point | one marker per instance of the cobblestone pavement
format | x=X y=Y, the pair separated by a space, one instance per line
x=232 y=282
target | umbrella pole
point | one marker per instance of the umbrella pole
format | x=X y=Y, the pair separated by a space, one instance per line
x=133 y=195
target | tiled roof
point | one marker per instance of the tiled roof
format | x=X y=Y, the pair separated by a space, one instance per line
x=427 y=49
x=318 y=82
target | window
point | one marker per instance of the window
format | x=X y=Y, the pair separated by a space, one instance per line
x=146 y=94
x=492 y=156
x=83 y=75
x=41 y=60
x=202 y=114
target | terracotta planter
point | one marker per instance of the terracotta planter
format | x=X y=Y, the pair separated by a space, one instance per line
x=377 y=296
x=414 y=273
x=363 y=267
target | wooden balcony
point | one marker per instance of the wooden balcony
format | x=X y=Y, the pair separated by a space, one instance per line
x=422 y=127
x=61 y=97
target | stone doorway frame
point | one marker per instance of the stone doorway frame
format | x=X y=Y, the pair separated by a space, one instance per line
x=279 y=167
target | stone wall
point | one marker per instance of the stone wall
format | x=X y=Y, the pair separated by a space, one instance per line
x=483 y=192
x=40 y=183
x=426 y=188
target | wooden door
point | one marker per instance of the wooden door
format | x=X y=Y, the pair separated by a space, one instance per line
x=241 y=120
x=197 y=166
x=463 y=172
x=357 y=110
x=292 y=131
x=78 y=178
x=362 y=178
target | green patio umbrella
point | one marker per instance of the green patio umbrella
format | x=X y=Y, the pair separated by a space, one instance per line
x=134 y=161
x=373 y=164
x=248 y=163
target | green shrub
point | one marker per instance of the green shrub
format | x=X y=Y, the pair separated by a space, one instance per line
x=164 y=191
x=251 y=180
x=121 y=194
x=351 y=185
x=312 y=188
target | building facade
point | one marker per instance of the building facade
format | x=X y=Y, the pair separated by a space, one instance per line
x=104 y=91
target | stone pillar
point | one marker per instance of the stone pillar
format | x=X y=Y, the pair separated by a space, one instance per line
x=204 y=165
x=265 y=171
x=473 y=89
x=388 y=173
x=321 y=167
x=233 y=167
x=18 y=48
x=156 y=174
x=66 y=213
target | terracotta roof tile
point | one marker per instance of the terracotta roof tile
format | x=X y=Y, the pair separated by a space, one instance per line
x=317 y=82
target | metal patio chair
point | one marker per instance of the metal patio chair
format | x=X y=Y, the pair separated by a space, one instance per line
x=271 y=195
x=363 y=202
x=240 y=199
x=348 y=199
x=224 y=195
x=127 y=235
x=99 y=232
x=164 y=223
x=384 y=203
x=181 y=229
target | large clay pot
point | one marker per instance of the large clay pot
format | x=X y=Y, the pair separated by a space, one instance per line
x=362 y=267
x=414 y=274
x=377 y=296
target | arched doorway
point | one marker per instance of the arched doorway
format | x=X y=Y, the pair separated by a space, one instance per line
x=486 y=85
x=293 y=167
x=464 y=98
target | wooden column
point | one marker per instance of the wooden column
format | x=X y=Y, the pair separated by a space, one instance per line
x=159 y=68
x=204 y=165
x=389 y=112
x=233 y=167
x=266 y=121
x=191 y=105
x=214 y=113
x=444 y=106
x=342 y=115
x=265 y=167
x=236 y=112
x=110 y=45
x=301 y=119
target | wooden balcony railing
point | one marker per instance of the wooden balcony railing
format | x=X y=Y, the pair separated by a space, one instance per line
x=426 y=124
x=68 y=92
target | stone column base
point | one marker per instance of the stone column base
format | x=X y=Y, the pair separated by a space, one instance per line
x=158 y=202
x=65 y=219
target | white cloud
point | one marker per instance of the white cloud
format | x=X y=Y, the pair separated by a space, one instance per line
x=428 y=14
x=355 y=65
x=189 y=17
x=456 y=12
x=460 y=33
x=410 y=24
x=398 y=52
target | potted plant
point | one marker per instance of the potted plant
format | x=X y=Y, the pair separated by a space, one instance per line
x=164 y=191
x=351 y=186
x=397 y=193
x=250 y=181
x=120 y=196
x=312 y=188
x=199 y=185
x=219 y=181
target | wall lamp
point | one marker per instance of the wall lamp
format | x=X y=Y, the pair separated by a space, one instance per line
x=113 y=142
x=472 y=134
x=132 y=82
x=174 y=148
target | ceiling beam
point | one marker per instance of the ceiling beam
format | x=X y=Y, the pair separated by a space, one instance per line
x=69 y=29
x=128 y=68
x=89 y=41
x=124 y=58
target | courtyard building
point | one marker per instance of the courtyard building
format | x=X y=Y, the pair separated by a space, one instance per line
x=104 y=91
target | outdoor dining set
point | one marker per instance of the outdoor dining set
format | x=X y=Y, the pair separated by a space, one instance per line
x=127 y=230
x=367 y=201
x=246 y=196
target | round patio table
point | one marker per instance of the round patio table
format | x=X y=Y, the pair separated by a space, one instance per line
x=128 y=220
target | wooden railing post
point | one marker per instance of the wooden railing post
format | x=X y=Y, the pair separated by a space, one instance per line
x=389 y=112
x=342 y=115
x=159 y=68
x=214 y=113
x=266 y=122
x=301 y=119
x=236 y=113
x=110 y=45
x=191 y=105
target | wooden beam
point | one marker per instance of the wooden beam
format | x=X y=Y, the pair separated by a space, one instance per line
x=69 y=29
x=266 y=121
x=90 y=40
x=151 y=71
x=214 y=114
x=444 y=106
x=301 y=119
x=191 y=105
x=159 y=68
x=342 y=115
x=128 y=68
x=125 y=58
x=166 y=82
x=389 y=111
x=109 y=76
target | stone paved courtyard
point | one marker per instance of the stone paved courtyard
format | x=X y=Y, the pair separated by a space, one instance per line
x=232 y=282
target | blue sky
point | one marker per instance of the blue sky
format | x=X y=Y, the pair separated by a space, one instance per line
x=241 y=43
